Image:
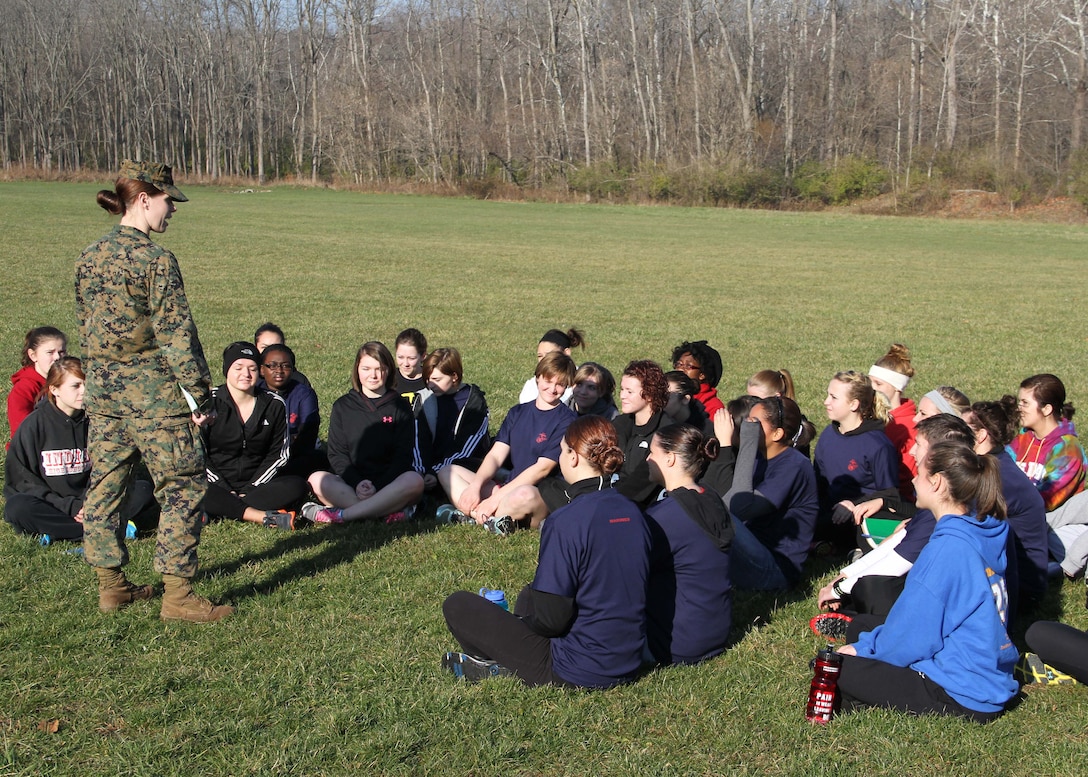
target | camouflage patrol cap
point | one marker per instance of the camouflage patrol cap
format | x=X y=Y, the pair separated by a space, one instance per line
x=155 y=173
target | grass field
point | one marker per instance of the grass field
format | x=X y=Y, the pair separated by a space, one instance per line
x=331 y=664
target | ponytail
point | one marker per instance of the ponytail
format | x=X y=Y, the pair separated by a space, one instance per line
x=974 y=479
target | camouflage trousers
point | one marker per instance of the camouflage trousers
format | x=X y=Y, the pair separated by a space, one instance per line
x=173 y=455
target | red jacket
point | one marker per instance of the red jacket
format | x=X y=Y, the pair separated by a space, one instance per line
x=26 y=388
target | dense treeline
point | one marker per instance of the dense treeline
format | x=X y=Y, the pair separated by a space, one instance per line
x=723 y=100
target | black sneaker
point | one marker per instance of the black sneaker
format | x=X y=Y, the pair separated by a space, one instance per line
x=472 y=669
x=502 y=525
x=280 y=519
x=832 y=625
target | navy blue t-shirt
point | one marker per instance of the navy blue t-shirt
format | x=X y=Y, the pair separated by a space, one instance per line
x=1027 y=525
x=916 y=535
x=533 y=434
x=689 y=601
x=596 y=550
x=789 y=482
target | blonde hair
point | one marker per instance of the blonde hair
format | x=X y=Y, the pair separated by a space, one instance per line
x=871 y=403
x=774 y=381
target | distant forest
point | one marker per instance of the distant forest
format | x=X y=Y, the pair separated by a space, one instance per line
x=702 y=100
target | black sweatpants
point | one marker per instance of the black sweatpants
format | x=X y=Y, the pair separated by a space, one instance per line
x=282 y=493
x=487 y=631
x=31 y=515
x=1063 y=647
x=867 y=682
x=875 y=594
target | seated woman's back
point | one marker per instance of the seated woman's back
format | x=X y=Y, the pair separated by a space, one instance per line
x=689 y=598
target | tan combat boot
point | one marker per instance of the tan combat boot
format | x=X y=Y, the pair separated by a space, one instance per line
x=179 y=603
x=115 y=591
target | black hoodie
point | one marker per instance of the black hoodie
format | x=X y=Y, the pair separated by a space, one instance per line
x=48 y=458
x=372 y=439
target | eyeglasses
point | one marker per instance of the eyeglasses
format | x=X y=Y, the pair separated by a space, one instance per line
x=277 y=366
x=686 y=366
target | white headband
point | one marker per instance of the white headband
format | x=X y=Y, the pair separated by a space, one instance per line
x=896 y=379
x=942 y=404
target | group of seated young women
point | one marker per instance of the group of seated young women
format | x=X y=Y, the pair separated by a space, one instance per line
x=651 y=512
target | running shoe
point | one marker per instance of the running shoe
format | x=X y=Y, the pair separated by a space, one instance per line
x=472 y=669
x=328 y=515
x=502 y=525
x=310 y=510
x=832 y=625
x=1030 y=670
x=447 y=513
x=280 y=519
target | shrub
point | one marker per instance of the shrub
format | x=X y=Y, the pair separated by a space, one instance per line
x=600 y=181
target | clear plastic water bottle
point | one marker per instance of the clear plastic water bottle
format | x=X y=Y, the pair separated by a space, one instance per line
x=495 y=596
x=823 y=694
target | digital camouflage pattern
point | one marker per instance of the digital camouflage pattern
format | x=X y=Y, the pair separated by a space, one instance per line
x=138 y=343
x=155 y=173
x=171 y=452
x=136 y=334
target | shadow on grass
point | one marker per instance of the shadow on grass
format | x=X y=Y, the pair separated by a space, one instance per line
x=341 y=545
x=753 y=610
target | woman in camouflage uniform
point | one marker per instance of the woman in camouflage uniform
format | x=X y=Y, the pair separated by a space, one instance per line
x=142 y=355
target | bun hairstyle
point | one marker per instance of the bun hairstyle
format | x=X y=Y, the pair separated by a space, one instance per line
x=773 y=382
x=974 y=479
x=897 y=359
x=871 y=403
x=35 y=337
x=445 y=360
x=126 y=190
x=572 y=338
x=59 y=372
x=594 y=439
x=945 y=427
x=784 y=414
x=690 y=446
x=1049 y=390
x=377 y=351
x=655 y=389
x=1000 y=419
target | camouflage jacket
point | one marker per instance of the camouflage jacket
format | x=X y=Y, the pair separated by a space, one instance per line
x=136 y=333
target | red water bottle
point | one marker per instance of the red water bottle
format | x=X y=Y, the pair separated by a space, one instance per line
x=823 y=694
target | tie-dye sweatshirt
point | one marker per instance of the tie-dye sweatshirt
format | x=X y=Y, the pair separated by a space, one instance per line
x=1057 y=464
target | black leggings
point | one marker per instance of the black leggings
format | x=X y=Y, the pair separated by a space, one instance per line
x=867 y=682
x=1063 y=647
x=282 y=493
x=487 y=631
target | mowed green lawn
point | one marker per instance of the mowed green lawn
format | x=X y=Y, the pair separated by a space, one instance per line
x=331 y=665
